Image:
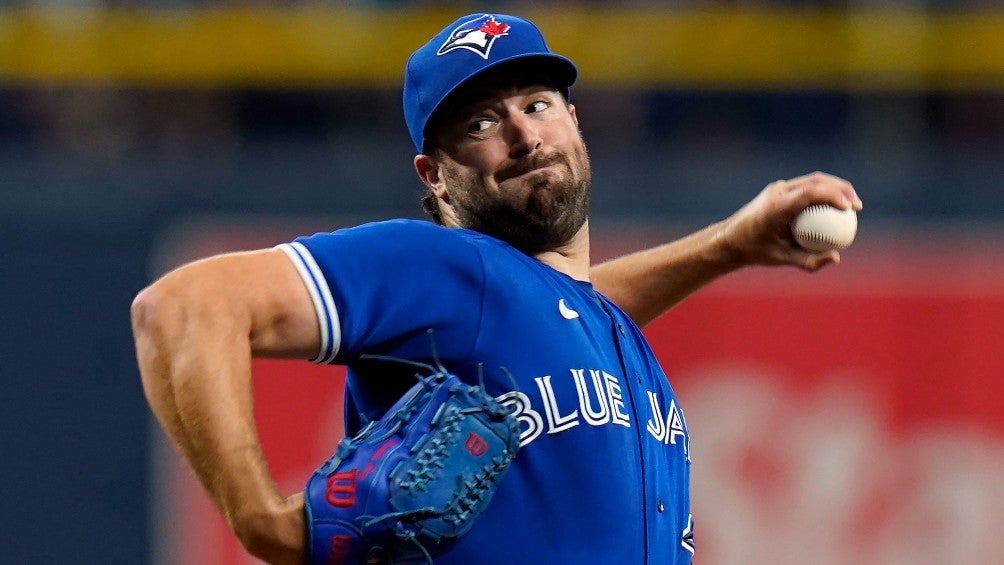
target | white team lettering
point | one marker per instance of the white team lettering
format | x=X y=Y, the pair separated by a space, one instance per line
x=616 y=401
x=600 y=402
x=656 y=425
x=686 y=430
x=667 y=429
x=593 y=417
x=555 y=422
x=519 y=404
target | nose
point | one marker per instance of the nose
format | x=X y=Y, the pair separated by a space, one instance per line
x=523 y=135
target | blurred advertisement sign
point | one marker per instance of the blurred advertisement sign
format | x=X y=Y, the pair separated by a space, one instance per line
x=851 y=419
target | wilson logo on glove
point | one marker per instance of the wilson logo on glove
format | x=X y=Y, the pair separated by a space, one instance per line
x=475 y=445
x=339 y=548
x=429 y=469
x=341 y=491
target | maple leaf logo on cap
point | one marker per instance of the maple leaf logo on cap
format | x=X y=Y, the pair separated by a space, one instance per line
x=493 y=28
x=477 y=35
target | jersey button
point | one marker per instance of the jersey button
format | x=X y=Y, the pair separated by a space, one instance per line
x=659 y=506
x=620 y=327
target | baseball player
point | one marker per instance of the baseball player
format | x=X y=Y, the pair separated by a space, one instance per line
x=502 y=278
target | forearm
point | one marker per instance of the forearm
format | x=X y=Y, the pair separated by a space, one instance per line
x=213 y=399
x=194 y=356
x=647 y=283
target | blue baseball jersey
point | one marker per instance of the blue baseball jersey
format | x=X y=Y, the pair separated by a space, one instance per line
x=603 y=472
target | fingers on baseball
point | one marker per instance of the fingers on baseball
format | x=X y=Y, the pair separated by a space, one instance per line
x=819 y=187
x=780 y=185
x=813 y=262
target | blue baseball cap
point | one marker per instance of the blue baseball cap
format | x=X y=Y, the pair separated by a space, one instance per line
x=466 y=48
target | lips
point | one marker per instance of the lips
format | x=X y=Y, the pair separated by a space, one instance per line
x=531 y=172
x=521 y=168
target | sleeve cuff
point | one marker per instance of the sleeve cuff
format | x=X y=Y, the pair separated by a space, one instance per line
x=320 y=295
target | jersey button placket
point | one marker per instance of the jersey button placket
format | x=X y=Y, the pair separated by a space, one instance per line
x=634 y=392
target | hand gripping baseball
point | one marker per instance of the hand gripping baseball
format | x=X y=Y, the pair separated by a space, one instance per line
x=760 y=233
x=412 y=482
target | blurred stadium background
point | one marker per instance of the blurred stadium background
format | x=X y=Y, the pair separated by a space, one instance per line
x=850 y=416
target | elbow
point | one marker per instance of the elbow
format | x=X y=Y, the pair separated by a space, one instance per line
x=159 y=310
x=141 y=311
x=153 y=316
x=146 y=312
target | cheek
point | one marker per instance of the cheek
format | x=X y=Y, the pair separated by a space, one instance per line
x=477 y=173
x=578 y=159
x=466 y=187
x=483 y=155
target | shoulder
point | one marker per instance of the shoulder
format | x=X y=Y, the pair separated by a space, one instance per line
x=400 y=233
x=398 y=226
x=406 y=232
x=393 y=248
x=405 y=236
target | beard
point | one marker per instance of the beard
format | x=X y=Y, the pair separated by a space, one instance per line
x=543 y=217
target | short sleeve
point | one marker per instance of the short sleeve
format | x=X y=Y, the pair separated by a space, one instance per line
x=379 y=288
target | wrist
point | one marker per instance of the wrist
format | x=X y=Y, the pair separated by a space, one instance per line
x=274 y=533
x=724 y=249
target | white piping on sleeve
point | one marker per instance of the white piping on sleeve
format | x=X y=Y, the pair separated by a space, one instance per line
x=320 y=295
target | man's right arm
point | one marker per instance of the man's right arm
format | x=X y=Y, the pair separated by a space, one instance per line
x=196 y=330
x=647 y=283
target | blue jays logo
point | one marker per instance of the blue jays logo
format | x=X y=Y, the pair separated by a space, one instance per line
x=477 y=35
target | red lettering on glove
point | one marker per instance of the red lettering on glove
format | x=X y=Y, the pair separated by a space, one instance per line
x=476 y=445
x=341 y=491
x=377 y=455
x=338 y=549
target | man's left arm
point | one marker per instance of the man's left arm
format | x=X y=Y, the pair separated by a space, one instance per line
x=647 y=283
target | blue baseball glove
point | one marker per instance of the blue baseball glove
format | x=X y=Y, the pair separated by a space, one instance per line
x=414 y=481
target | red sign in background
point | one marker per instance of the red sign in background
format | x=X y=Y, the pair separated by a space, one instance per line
x=849 y=416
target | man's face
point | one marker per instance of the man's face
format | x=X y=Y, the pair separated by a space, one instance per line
x=515 y=167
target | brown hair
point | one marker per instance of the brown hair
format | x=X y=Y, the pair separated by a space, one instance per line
x=430 y=205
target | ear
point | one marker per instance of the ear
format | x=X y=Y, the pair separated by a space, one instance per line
x=429 y=173
x=575 y=118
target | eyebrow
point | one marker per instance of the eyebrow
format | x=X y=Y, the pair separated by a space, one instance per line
x=472 y=101
x=464 y=102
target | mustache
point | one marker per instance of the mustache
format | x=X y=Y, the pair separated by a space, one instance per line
x=529 y=163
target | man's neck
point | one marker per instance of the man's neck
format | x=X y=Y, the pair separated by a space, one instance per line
x=571 y=259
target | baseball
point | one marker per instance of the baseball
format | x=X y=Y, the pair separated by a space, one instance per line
x=822 y=227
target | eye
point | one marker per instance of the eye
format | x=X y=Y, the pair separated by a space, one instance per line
x=480 y=125
x=538 y=106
